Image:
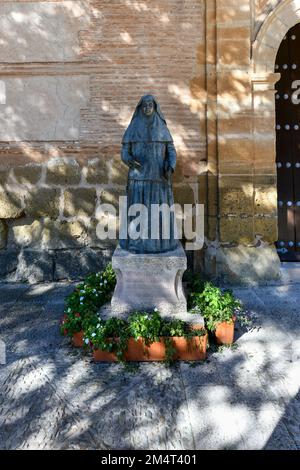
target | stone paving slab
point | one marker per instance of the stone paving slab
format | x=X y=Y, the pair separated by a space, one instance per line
x=11 y=292
x=54 y=397
x=47 y=292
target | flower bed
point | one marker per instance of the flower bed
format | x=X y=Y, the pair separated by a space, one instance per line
x=146 y=336
x=183 y=349
x=81 y=306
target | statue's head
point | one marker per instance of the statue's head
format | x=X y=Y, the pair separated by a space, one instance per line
x=148 y=105
x=148 y=123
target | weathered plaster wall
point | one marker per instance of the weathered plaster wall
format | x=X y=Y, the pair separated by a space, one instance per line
x=38 y=31
x=43 y=108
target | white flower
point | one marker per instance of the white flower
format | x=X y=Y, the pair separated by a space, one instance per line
x=93 y=335
x=86 y=341
x=69 y=310
x=105 y=282
x=101 y=284
x=155 y=310
x=96 y=295
x=98 y=326
x=81 y=299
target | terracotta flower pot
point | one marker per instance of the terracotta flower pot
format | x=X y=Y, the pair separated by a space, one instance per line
x=185 y=350
x=224 y=332
x=77 y=339
x=190 y=349
x=138 y=351
x=103 y=356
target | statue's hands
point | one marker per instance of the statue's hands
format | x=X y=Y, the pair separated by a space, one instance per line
x=168 y=173
x=134 y=165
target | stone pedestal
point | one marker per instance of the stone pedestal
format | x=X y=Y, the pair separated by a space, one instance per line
x=146 y=281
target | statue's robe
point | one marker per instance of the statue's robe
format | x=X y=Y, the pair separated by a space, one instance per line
x=149 y=152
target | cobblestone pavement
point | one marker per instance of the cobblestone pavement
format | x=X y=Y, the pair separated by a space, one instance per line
x=55 y=397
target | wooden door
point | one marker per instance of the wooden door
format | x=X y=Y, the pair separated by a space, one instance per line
x=288 y=145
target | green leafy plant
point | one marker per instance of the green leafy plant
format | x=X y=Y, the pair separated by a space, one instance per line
x=246 y=321
x=83 y=303
x=112 y=335
x=215 y=305
x=145 y=325
x=151 y=327
x=222 y=348
x=71 y=323
x=108 y=335
x=74 y=322
x=170 y=350
x=178 y=328
x=195 y=284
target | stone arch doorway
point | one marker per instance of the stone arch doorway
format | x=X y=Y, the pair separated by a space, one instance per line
x=287 y=99
x=265 y=86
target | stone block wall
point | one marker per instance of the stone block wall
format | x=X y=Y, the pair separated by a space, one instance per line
x=71 y=73
x=48 y=220
x=241 y=186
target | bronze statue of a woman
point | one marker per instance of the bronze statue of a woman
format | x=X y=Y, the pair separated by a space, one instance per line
x=149 y=152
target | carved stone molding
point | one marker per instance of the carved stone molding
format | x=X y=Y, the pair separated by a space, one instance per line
x=264 y=81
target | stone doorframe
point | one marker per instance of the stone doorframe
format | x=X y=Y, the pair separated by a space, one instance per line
x=263 y=78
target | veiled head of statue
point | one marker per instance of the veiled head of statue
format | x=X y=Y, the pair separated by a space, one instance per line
x=148 y=105
x=148 y=123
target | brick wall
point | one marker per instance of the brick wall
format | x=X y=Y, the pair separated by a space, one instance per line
x=73 y=72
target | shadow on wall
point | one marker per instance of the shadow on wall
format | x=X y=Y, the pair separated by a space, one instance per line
x=41 y=33
x=73 y=125
x=148 y=62
x=142 y=62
